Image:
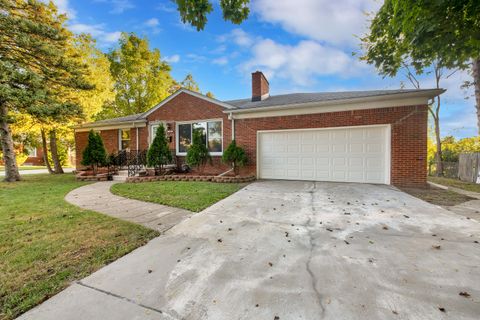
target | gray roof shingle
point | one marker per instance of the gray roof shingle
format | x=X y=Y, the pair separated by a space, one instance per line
x=299 y=98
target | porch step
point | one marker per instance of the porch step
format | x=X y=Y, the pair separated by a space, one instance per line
x=120 y=178
x=123 y=173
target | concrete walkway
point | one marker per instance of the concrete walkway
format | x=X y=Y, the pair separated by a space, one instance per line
x=97 y=197
x=37 y=171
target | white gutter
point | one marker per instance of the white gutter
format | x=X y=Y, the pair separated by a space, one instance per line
x=230 y=116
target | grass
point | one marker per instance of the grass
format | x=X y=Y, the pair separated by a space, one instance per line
x=468 y=186
x=46 y=243
x=438 y=196
x=2 y=168
x=194 y=196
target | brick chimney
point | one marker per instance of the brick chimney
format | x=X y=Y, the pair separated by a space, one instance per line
x=260 y=86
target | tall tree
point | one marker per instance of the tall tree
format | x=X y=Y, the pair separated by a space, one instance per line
x=98 y=67
x=141 y=78
x=32 y=58
x=425 y=31
x=190 y=83
x=195 y=11
x=439 y=73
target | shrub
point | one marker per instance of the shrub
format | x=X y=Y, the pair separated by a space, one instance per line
x=198 y=155
x=94 y=154
x=159 y=154
x=235 y=155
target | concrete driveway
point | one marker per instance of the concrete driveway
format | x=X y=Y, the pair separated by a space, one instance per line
x=293 y=250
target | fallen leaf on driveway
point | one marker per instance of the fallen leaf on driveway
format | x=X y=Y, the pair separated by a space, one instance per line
x=464 y=294
x=436 y=247
x=442 y=309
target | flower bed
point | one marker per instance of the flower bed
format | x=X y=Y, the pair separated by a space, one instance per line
x=223 y=179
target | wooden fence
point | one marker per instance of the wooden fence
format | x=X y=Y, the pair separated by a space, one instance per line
x=468 y=167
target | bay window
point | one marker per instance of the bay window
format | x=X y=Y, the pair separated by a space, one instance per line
x=211 y=133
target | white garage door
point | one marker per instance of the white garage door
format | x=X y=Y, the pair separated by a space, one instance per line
x=353 y=154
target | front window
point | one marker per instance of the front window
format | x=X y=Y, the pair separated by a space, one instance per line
x=32 y=152
x=211 y=132
x=124 y=139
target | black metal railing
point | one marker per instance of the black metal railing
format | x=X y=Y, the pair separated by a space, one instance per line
x=132 y=160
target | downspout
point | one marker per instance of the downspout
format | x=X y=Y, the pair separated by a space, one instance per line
x=136 y=136
x=230 y=117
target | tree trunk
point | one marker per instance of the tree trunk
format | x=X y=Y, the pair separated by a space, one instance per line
x=476 y=81
x=45 y=151
x=54 y=152
x=438 y=154
x=11 y=168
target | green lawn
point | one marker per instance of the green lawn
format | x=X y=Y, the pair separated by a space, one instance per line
x=194 y=196
x=456 y=183
x=2 y=168
x=46 y=243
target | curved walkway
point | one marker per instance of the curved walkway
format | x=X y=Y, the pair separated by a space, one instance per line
x=97 y=197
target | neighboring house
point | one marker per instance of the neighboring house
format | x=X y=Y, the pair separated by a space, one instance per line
x=359 y=136
x=35 y=157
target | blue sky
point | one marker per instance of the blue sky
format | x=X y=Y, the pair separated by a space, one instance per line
x=301 y=45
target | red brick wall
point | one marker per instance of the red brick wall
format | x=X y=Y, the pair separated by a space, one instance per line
x=409 y=135
x=109 y=138
x=260 y=85
x=185 y=107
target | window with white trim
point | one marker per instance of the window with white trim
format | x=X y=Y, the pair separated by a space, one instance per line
x=211 y=132
x=124 y=139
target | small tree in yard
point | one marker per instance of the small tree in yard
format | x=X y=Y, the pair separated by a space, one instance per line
x=198 y=155
x=159 y=154
x=94 y=154
x=235 y=155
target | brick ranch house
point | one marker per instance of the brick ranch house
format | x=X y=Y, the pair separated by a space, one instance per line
x=360 y=136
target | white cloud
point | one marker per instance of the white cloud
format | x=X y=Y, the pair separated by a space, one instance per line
x=336 y=22
x=153 y=22
x=300 y=63
x=120 y=6
x=97 y=31
x=166 y=8
x=220 y=61
x=237 y=36
x=65 y=8
x=172 y=59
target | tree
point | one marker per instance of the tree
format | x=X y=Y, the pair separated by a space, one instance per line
x=210 y=95
x=197 y=154
x=159 y=154
x=189 y=83
x=141 y=78
x=235 y=156
x=433 y=107
x=195 y=11
x=94 y=154
x=33 y=65
x=425 y=31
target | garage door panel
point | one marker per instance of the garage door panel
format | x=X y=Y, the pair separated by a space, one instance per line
x=344 y=154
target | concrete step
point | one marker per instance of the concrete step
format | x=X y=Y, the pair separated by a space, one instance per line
x=123 y=173
x=120 y=178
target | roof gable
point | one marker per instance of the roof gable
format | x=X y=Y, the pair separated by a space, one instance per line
x=192 y=93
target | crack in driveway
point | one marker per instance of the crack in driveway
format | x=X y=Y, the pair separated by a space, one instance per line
x=312 y=247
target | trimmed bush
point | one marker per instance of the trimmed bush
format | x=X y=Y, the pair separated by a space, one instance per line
x=198 y=155
x=235 y=155
x=94 y=154
x=159 y=154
